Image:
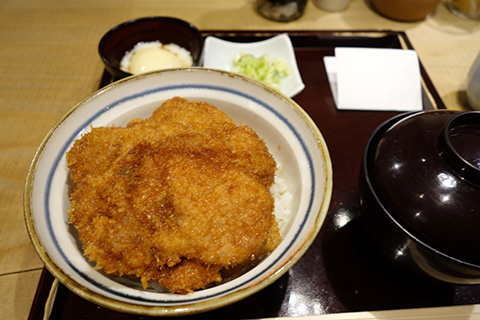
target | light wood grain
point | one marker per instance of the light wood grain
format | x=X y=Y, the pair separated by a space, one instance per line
x=49 y=62
x=17 y=294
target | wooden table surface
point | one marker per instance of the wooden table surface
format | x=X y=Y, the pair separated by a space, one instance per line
x=49 y=62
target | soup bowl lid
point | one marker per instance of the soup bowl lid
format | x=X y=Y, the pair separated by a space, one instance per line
x=425 y=170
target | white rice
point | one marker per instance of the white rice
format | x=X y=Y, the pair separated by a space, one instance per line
x=183 y=54
x=283 y=201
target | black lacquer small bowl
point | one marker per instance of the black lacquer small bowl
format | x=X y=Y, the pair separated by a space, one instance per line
x=123 y=37
x=420 y=193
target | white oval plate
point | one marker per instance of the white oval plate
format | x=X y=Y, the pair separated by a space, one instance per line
x=218 y=54
x=290 y=134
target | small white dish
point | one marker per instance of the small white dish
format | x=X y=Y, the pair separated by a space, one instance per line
x=291 y=135
x=218 y=54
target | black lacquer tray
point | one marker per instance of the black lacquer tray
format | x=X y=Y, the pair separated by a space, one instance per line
x=342 y=271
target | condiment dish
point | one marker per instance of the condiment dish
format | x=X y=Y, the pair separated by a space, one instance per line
x=219 y=54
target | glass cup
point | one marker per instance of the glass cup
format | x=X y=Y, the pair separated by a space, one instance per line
x=466 y=9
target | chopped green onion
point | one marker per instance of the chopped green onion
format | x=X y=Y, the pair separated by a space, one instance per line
x=261 y=68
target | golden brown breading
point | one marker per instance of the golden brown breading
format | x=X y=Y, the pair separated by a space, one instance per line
x=175 y=198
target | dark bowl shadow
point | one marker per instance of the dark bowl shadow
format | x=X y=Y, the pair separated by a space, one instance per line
x=363 y=279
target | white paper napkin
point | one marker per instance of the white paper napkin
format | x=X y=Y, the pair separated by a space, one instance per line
x=375 y=79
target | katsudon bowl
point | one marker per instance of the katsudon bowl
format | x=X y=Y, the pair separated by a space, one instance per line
x=291 y=136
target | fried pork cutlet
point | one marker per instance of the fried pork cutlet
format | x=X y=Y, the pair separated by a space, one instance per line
x=179 y=198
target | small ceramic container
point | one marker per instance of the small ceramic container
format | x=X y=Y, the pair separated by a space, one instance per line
x=332 y=5
x=122 y=38
x=405 y=10
x=219 y=53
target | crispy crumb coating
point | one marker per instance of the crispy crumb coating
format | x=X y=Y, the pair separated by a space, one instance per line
x=176 y=198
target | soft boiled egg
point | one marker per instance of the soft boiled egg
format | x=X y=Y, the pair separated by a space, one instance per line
x=151 y=56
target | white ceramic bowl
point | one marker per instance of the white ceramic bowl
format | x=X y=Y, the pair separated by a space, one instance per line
x=218 y=54
x=290 y=134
